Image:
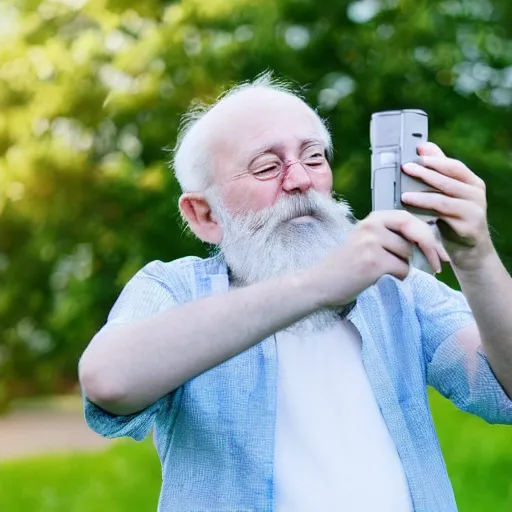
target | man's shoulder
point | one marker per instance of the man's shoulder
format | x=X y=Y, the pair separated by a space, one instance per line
x=183 y=275
x=193 y=265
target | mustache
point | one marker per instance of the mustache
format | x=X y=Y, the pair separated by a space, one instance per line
x=286 y=209
x=268 y=221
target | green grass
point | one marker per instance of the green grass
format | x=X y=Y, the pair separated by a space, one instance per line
x=126 y=477
x=478 y=457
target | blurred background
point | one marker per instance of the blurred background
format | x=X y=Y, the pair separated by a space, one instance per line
x=90 y=97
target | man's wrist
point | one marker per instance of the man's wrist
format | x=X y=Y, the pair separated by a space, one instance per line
x=478 y=270
x=308 y=284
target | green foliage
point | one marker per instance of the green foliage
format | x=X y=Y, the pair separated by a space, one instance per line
x=90 y=97
x=127 y=476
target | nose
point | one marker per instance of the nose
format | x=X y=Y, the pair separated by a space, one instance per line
x=296 y=178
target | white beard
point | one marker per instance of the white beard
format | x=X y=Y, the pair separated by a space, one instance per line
x=259 y=245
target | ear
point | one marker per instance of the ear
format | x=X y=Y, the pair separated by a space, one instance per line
x=196 y=210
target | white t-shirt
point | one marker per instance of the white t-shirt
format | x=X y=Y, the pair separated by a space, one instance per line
x=333 y=451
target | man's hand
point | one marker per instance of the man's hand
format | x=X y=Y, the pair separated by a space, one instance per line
x=461 y=205
x=485 y=282
x=380 y=244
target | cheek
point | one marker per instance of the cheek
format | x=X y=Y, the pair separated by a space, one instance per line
x=241 y=197
x=323 y=182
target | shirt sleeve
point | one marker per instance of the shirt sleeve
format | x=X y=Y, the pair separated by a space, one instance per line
x=146 y=294
x=458 y=370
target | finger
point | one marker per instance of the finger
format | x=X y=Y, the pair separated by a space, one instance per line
x=429 y=148
x=451 y=168
x=396 y=244
x=395 y=266
x=442 y=204
x=432 y=254
x=445 y=184
x=418 y=232
x=442 y=252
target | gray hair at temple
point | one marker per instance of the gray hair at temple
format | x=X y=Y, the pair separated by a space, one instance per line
x=192 y=161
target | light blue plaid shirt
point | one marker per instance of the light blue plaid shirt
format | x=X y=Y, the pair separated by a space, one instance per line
x=215 y=434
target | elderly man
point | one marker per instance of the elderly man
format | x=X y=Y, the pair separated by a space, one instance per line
x=288 y=372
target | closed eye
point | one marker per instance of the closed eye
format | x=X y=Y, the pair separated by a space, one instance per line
x=266 y=171
x=315 y=160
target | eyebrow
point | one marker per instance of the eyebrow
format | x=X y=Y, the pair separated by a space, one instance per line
x=278 y=148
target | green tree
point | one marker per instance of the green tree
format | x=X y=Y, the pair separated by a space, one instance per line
x=90 y=98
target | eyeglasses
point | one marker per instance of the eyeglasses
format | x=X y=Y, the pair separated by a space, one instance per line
x=314 y=160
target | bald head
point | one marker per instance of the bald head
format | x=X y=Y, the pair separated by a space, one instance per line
x=217 y=140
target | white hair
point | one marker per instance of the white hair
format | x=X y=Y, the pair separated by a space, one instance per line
x=191 y=162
